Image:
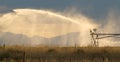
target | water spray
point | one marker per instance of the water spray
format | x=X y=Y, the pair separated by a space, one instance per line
x=33 y=22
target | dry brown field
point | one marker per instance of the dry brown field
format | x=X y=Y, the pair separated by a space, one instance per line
x=59 y=54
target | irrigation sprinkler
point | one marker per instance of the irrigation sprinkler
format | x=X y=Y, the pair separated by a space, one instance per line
x=96 y=36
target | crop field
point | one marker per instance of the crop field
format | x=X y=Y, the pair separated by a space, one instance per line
x=59 y=54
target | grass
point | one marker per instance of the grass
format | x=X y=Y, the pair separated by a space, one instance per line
x=19 y=53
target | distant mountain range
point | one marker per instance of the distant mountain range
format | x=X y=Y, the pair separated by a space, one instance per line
x=18 y=39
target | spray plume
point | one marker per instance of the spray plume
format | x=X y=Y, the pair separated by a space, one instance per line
x=48 y=24
x=111 y=26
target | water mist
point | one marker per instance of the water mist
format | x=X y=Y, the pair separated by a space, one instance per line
x=47 y=24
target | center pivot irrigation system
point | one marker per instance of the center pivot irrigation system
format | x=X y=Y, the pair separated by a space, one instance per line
x=96 y=36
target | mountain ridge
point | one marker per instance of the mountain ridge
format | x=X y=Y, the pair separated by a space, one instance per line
x=19 y=39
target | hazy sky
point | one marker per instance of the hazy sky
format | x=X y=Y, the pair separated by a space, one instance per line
x=92 y=8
